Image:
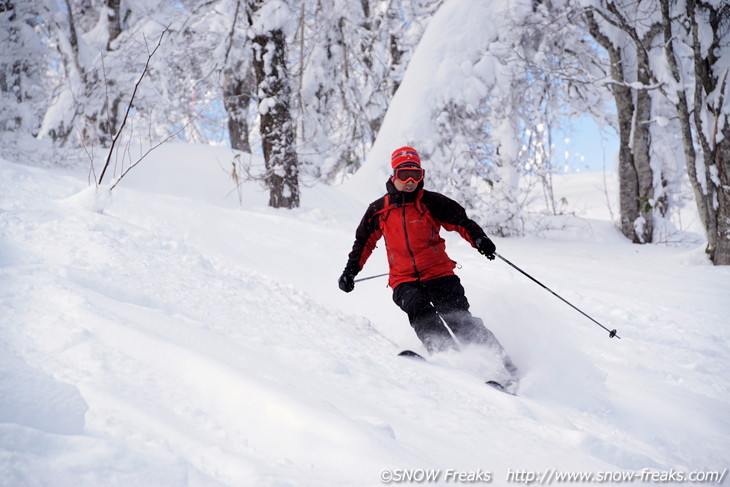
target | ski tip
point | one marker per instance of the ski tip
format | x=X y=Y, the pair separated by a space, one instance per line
x=411 y=354
x=496 y=385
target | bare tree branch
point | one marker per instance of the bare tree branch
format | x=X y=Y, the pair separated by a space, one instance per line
x=129 y=107
x=162 y=142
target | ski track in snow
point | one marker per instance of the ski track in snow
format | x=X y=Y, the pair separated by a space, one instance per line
x=157 y=340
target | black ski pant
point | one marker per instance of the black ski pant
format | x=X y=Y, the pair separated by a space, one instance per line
x=436 y=304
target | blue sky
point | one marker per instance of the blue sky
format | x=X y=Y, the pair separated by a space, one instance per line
x=585 y=147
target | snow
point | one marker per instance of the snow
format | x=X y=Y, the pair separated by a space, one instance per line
x=174 y=331
x=161 y=335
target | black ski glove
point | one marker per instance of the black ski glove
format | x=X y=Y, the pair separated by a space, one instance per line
x=485 y=247
x=347 y=280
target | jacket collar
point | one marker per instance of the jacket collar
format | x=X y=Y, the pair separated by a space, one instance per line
x=400 y=197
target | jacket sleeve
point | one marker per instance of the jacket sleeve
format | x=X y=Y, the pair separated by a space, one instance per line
x=452 y=216
x=366 y=236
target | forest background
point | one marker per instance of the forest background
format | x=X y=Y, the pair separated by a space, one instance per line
x=313 y=87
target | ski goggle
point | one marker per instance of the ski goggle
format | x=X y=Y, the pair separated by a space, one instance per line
x=405 y=174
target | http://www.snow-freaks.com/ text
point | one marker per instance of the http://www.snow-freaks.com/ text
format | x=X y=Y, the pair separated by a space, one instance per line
x=550 y=476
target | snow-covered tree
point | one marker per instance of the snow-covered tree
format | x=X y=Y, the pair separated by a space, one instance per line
x=668 y=65
x=101 y=48
x=319 y=86
x=23 y=59
x=629 y=31
x=350 y=58
x=484 y=80
x=270 y=23
x=696 y=37
x=561 y=66
x=211 y=56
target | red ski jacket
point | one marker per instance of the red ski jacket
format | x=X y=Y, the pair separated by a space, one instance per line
x=410 y=224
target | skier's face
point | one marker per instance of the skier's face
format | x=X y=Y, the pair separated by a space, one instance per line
x=408 y=187
x=407 y=177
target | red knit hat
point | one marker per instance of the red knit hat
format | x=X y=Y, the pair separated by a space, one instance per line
x=404 y=155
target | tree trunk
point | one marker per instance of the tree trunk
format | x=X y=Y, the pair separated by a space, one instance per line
x=637 y=182
x=628 y=177
x=11 y=73
x=276 y=126
x=114 y=13
x=641 y=146
x=722 y=249
x=685 y=122
x=237 y=89
x=710 y=174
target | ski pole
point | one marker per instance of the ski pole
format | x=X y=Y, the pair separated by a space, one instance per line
x=611 y=333
x=371 y=277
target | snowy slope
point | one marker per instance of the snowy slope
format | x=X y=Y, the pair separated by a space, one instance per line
x=162 y=336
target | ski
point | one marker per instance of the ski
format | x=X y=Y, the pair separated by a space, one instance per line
x=411 y=354
x=491 y=383
x=496 y=385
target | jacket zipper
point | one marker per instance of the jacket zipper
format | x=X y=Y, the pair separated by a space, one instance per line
x=408 y=246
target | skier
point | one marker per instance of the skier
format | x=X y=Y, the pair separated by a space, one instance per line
x=421 y=273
